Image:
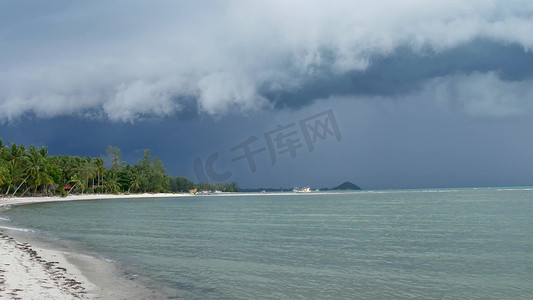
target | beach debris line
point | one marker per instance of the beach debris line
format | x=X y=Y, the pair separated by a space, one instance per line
x=24 y=274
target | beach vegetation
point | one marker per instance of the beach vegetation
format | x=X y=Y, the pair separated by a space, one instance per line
x=222 y=187
x=31 y=171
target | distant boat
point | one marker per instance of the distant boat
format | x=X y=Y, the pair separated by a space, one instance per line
x=302 y=190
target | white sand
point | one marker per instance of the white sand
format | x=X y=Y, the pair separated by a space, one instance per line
x=28 y=273
x=28 y=200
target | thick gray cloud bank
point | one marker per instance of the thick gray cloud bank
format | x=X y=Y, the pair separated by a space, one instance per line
x=126 y=60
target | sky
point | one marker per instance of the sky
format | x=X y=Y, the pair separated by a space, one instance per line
x=385 y=94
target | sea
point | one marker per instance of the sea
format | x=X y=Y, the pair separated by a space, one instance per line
x=468 y=243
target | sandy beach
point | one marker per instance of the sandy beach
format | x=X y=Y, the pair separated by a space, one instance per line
x=32 y=270
x=27 y=200
x=32 y=273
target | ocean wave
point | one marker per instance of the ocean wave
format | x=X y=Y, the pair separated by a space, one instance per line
x=6 y=207
x=17 y=229
x=5 y=218
x=411 y=191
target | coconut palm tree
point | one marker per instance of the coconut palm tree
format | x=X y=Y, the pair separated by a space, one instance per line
x=37 y=170
x=33 y=167
x=135 y=183
x=3 y=165
x=88 y=171
x=99 y=166
x=16 y=158
x=45 y=178
x=111 y=182
x=3 y=173
x=76 y=181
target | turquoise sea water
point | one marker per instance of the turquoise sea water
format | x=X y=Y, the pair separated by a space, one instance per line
x=422 y=244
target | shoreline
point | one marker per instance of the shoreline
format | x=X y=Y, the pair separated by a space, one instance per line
x=7 y=201
x=27 y=272
x=35 y=268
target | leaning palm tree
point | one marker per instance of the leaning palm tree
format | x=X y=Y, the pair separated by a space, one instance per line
x=34 y=165
x=76 y=180
x=45 y=181
x=17 y=163
x=37 y=167
x=3 y=172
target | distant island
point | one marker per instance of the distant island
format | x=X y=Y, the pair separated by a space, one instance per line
x=346 y=186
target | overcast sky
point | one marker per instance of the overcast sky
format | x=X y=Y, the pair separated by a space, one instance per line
x=391 y=94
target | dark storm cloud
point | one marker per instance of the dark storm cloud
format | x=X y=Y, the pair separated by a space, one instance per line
x=405 y=71
x=129 y=60
x=425 y=93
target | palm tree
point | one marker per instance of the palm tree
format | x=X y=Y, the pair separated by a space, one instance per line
x=76 y=180
x=99 y=166
x=3 y=165
x=45 y=179
x=3 y=172
x=16 y=163
x=33 y=167
x=78 y=168
x=89 y=171
x=135 y=183
x=111 y=182
x=84 y=171
x=37 y=170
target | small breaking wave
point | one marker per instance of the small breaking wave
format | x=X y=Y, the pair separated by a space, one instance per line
x=516 y=189
x=107 y=259
x=17 y=229
x=5 y=219
x=6 y=207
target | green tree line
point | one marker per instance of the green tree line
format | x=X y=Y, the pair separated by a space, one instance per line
x=30 y=171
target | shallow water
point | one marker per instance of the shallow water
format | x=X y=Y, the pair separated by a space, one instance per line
x=463 y=243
